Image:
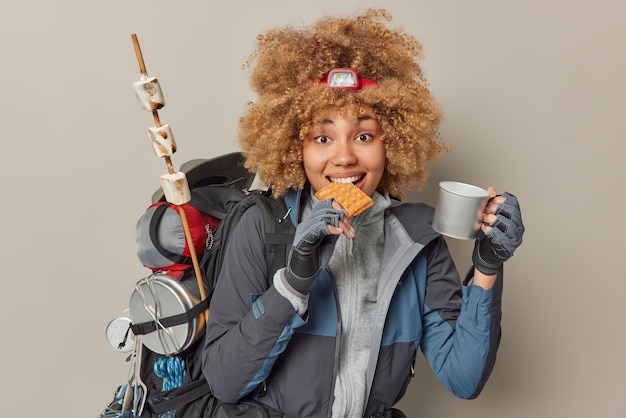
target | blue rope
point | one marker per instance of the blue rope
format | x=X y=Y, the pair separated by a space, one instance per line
x=172 y=370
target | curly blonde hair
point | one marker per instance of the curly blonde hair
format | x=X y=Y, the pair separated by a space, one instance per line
x=290 y=63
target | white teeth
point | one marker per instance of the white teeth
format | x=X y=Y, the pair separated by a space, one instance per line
x=345 y=180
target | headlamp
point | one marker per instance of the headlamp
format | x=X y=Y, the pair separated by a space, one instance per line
x=346 y=78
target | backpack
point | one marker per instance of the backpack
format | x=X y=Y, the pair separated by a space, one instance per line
x=166 y=380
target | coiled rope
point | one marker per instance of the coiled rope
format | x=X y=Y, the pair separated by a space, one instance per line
x=171 y=370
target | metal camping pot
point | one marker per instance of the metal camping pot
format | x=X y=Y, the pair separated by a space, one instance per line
x=160 y=296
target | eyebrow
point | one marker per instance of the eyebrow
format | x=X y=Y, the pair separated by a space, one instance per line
x=359 y=120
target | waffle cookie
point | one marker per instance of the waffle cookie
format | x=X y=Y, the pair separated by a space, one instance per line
x=350 y=197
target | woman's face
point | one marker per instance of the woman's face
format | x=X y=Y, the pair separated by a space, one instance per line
x=343 y=150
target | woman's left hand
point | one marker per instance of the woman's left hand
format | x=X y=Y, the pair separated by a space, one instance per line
x=500 y=234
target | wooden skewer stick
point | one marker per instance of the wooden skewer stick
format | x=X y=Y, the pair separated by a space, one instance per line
x=142 y=64
x=170 y=169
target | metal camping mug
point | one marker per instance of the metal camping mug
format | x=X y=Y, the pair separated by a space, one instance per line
x=459 y=209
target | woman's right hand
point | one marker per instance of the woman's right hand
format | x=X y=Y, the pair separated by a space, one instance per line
x=314 y=243
x=344 y=226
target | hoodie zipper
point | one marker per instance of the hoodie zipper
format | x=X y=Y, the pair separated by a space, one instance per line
x=348 y=321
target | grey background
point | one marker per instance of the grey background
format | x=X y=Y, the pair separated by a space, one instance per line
x=533 y=94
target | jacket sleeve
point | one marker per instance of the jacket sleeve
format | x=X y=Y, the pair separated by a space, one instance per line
x=461 y=325
x=249 y=323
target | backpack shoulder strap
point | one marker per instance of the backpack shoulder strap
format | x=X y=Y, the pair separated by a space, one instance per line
x=279 y=230
x=279 y=233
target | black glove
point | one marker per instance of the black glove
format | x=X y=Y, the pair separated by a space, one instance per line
x=313 y=246
x=498 y=245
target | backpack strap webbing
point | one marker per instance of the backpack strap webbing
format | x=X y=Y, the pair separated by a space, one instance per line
x=183 y=318
x=184 y=395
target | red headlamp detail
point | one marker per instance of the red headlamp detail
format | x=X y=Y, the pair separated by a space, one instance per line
x=347 y=79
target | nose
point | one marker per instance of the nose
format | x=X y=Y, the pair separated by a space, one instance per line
x=344 y=154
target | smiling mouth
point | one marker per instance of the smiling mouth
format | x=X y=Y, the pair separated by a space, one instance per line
x=345 y=180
